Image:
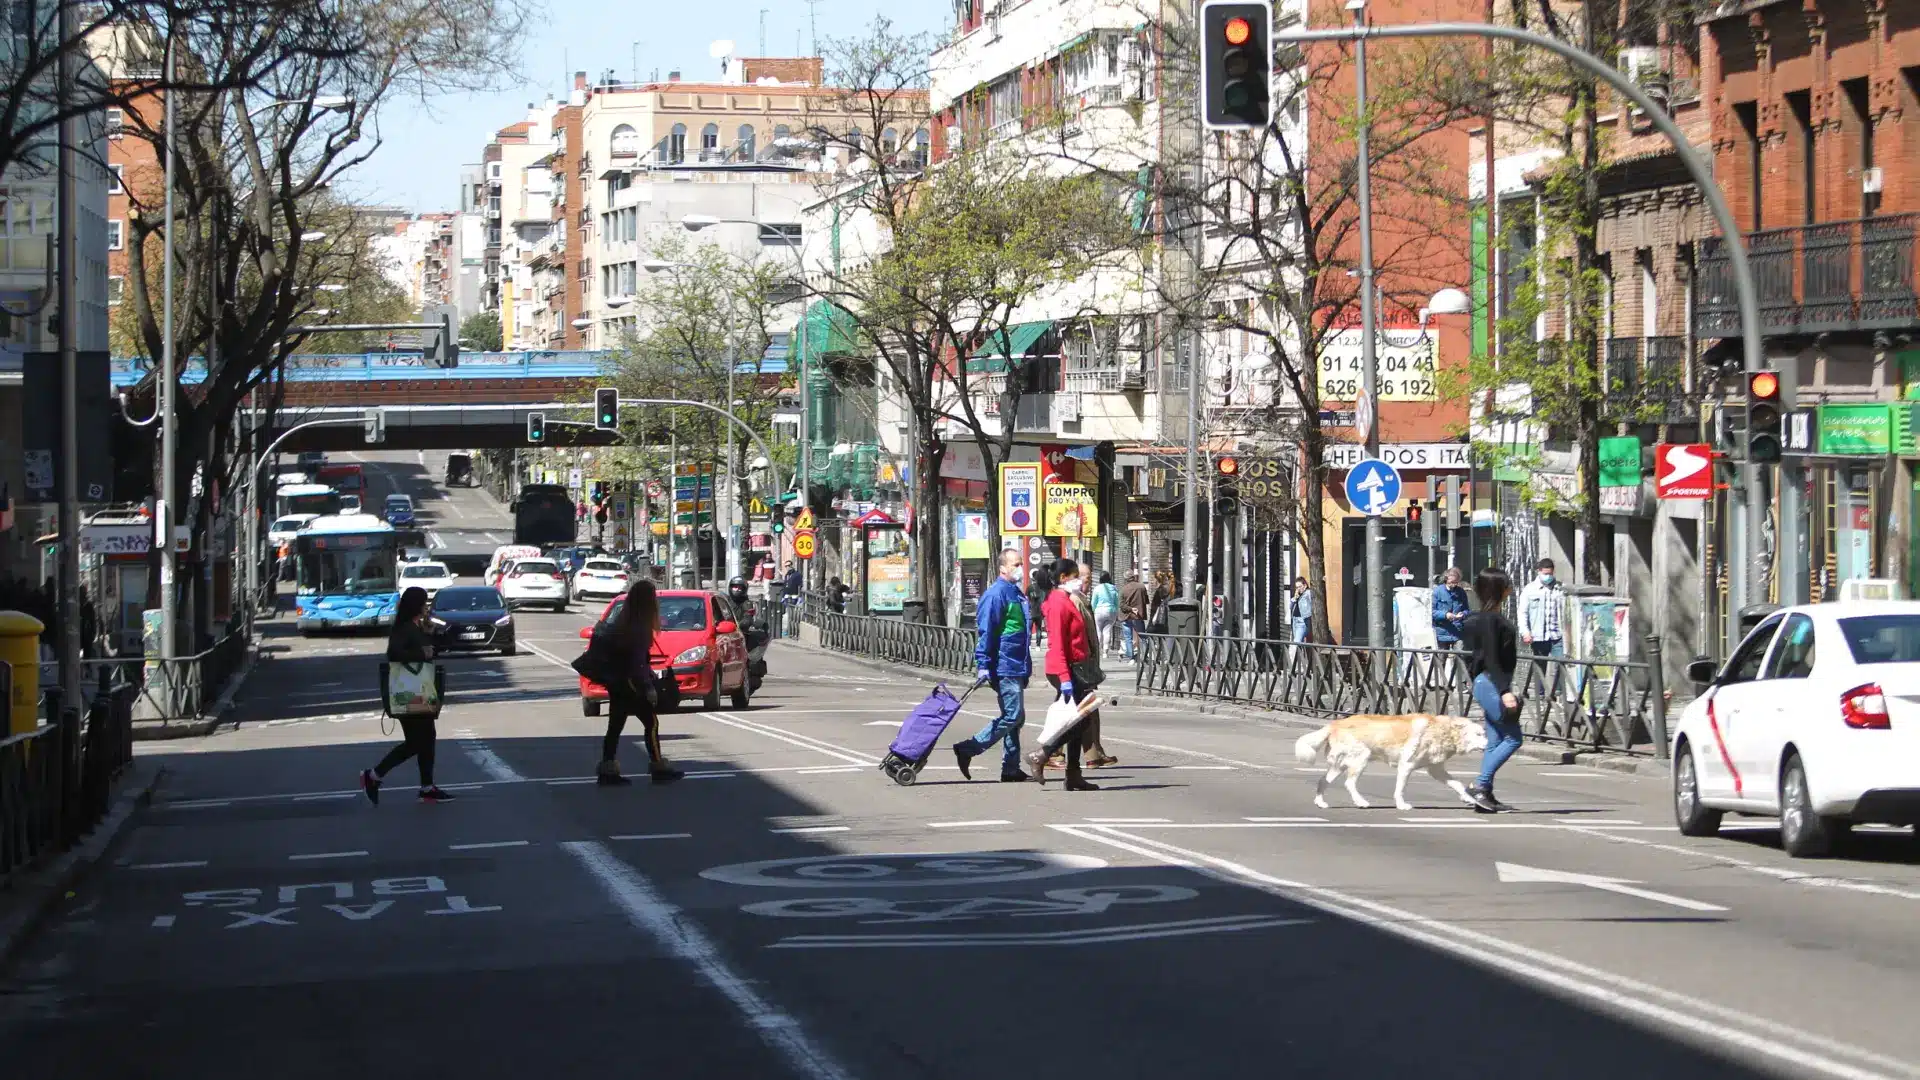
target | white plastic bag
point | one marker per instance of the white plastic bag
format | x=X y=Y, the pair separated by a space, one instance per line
x=1063 y=714
x=412 y=690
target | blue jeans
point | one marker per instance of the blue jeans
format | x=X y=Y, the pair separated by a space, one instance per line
x=1130 y=631
x=1004 y=728
x=1503 y=729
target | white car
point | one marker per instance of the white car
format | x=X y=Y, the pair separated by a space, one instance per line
x=535 y=582
x=428 y=575
x=600 y=578
x=283 y=529
x=350 y=504
x=1815 y=718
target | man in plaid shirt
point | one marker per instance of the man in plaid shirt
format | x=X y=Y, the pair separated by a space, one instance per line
x=1543 y=604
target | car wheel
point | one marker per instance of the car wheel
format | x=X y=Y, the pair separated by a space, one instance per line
x=508 y=649
x=712 y=700
x=560 y=608
x=589 y=707
x=1693 y=818
x=1803 y=833
x=739 y=698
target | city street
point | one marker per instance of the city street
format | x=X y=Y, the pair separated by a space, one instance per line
x=787 y=911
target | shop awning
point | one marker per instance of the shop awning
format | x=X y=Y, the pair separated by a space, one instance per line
x=1015 y=341
x=830 y=331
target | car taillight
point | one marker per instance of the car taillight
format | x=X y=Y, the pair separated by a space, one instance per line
x=1865 y=707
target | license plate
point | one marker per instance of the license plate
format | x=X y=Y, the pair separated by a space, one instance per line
x=473 y=633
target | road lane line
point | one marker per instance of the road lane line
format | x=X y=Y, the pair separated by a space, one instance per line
x=1519 y=874
x=1780 y=873
x=1128 y=820
x=1655 y=1004
x=680 y=936
x=163 y=922
x=800 y=829
x=824 y=769
x=205 y=804
x=326 y=797
x=653 y=836
x=967 y=824
x=187 y=864
x=1283 y=820
x=326 y=855
x=791 y=738
x=491 y=844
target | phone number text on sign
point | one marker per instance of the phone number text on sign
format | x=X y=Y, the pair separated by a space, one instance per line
x=1406 y=373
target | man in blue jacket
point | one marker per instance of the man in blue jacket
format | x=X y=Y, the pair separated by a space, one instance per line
x=1006 y=628
x=1450 y=609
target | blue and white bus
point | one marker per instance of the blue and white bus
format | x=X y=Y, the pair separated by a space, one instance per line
x=305 y=499
x=346 y=567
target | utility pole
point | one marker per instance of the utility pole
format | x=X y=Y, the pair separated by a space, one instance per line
x=1197 y=254
x=733 y=478
x=1369 y=363
x=169 y=436
x=673 y=498
x=66 y=290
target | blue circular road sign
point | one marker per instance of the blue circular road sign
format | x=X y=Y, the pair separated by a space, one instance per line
x=1373 y=487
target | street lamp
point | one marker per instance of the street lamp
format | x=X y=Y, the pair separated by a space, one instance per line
x=659 y=266
x=313 y=237
x=323 y=103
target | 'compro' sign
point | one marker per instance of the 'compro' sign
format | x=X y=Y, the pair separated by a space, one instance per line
x=1446 y=457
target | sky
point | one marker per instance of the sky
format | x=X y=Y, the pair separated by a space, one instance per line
x=423 y=145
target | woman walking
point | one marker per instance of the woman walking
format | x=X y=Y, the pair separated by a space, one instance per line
x=623 y=654
x=1070 y=630
x=1106 y=612
x=408 y=643
x=1490 y=639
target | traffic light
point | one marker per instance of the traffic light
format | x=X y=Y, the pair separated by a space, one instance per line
x=1429 y=518
x=1763 y=417
x=606 y=409
x=376 y=425
x=443 y=349
x=1229 y=466
x=1235 y=63
x=1416 y=517
x=536 y=427
x=779 y=526
x=1455 y=511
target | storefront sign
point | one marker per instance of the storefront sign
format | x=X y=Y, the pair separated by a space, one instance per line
x=970 y=536
x=1681 y=471
x=1855 y=429
x=1620 y=462
x=1451 y=457
x=1264 y=478
x=116 y=539
x=889 y=570
x=1020 y=498
x=963 y=461
x=1071 y=511
x=1406 y=373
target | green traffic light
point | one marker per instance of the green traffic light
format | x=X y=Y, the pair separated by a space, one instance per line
x=1238 y=96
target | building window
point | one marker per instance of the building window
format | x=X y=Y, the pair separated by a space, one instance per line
x=922 y=147
x=677 y=144
x=116 y=289
x=780 y=233
x=115 y=228
x=781 y=131
x=117 y=186
x=889 y=143
x=116 y=119
x=709 y=139
x=745 y=140
x=1003 y=105
x=625 y=141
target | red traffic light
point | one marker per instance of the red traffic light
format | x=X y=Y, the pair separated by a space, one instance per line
x=1229 y=466
x=1763 y=384
x=1238 y=31
x=1414 y=510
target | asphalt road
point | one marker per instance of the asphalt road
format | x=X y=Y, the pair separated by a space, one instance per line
x=786 y=911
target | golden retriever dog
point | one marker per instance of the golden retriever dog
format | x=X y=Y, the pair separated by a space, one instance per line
x=1416 y=740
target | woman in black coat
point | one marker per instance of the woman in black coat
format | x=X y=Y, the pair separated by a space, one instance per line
x=409 y=643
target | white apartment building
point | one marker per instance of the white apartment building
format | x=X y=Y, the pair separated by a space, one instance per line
x=527 y=228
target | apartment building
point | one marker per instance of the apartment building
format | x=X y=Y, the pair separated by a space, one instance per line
x=1814 y=114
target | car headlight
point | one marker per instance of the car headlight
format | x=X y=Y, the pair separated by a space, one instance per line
x=437 y=624
x=692 y=656
x=504 y=620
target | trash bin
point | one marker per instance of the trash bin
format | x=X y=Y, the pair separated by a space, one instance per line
x=913 y=611
x=1183 y=617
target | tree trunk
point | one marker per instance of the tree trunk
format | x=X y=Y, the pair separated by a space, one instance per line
x=928 y=511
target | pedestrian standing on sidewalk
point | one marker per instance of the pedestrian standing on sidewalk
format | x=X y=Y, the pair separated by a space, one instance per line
x=1302 y=611
x=1106 y=611
x=409 y=643
x=1489 y=637
x=1542 y=604
x=1450 y=609
x=622 y=651
x=1133 y=614
x=1003 y=658
x=1068 y=629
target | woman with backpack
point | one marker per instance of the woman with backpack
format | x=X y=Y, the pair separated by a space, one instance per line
x=408 y=643
x=620 y=657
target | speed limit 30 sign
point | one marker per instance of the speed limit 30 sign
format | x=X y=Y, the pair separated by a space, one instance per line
x=803 y=543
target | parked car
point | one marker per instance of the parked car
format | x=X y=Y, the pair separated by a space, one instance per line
x=600 y=577
x=534 y=581
x=472 y=617
x=1815 y=718
x=426 y=574
x=399 y=509
x=700 y=652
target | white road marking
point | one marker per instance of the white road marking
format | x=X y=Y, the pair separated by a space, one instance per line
x=1514 y=873
x=162 y=922
x=1089 y=936
x=878 y=723
x=967 y=824
x=1436 y=823
x=1195 y=768
x=1194 y=753
x=202 y=804
x=805 y=742
x=1130 y=820
x=1570 y=772
x=1651 y=1003
x=1283 y=820
x=812 y=829
x=328 y=797
x=653 y=836
x=326 y=855
x=574 y=780
x=491 y=844
x=1778 y=872
x=433 y=540
x=490 y=763
x=828 y=769
x=170 y=865
x=679 y=935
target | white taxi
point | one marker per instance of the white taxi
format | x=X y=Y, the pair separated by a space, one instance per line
x=528 y=582
x=600 y=577
x=1815 y=718
x=426 y=574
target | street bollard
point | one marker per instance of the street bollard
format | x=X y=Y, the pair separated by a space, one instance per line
x=20 y=649
x=1657 y=676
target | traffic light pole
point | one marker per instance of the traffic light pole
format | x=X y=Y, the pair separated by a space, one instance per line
x=1789 y=545
x=1375 y=556
x=1746 y=296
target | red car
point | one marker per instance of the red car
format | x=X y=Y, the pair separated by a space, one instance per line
x=700 y=643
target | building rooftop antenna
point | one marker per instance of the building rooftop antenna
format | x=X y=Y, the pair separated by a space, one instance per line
x=813 y=24
x=763 y=31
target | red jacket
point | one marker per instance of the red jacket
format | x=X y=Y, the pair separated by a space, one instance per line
x=1066 y=633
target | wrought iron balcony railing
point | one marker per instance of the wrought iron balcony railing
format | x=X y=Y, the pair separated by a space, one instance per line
x=1836 y=275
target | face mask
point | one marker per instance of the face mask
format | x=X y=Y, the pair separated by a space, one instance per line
x=1071 y=586
x=1546 y=579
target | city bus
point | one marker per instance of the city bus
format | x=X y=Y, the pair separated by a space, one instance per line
x=544 y=514
x=305 y=499
x=344 y=477
x=345 y=573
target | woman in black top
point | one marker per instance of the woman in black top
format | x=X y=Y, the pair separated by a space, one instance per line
x=409 y=643
x=1489 y=637
x=626 y=647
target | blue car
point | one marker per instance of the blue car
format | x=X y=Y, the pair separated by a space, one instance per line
x=399 y=510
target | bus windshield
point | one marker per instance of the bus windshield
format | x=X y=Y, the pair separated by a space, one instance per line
x=544 y=514
x=344 y=477
x=347 y=564
x=306 y=499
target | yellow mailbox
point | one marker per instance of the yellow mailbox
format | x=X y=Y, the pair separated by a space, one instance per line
x=20 y=647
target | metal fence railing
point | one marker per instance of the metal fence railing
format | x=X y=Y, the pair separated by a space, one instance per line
x=182 y=688
x=1580 y=704
x=922 y=645
x=56 y=782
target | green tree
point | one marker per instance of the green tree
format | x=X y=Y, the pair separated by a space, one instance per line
x=480 y=332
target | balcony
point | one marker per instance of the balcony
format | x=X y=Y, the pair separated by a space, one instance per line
x=1813 y=279
x=1646 y=380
